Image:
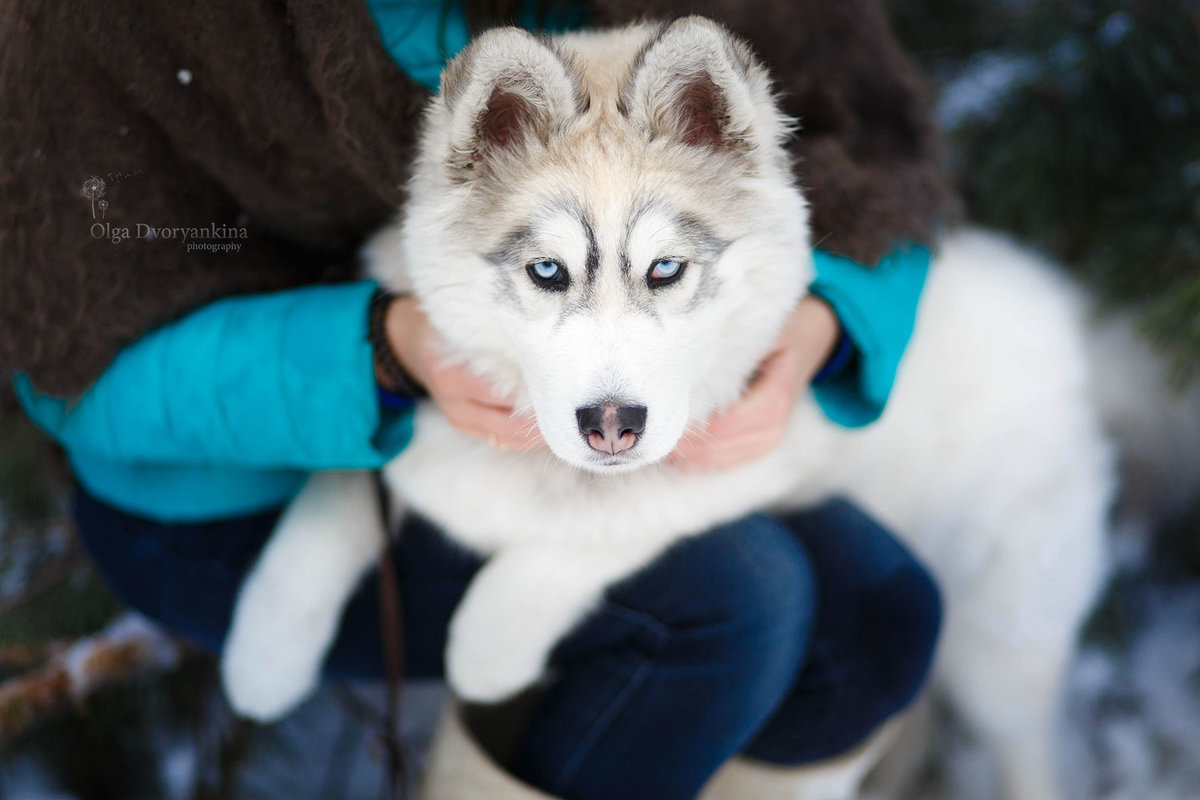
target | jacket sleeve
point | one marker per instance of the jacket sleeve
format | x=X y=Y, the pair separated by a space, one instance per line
x=877 y=309
x=279 y=380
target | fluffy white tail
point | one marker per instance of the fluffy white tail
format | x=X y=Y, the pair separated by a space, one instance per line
x=1156 y=423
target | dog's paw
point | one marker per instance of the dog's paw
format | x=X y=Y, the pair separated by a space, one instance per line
x=488 y=675
x=491 y=655
x=516 y=610
x=273 y=654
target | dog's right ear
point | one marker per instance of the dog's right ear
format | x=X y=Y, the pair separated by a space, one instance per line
x=697 y=84
x=507 y=93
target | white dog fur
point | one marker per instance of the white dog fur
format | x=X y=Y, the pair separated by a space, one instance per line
x=621 y=148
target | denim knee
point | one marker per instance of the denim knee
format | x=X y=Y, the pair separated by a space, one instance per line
x=677 y=669
x=185 y=576
x=742 y=596
x=873 y=644
x=886 y=596
x=903 y=617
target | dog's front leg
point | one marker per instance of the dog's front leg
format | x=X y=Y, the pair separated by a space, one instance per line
x=291 y=602
x=518 y=608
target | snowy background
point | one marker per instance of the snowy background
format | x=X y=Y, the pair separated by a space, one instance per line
x=94 y=705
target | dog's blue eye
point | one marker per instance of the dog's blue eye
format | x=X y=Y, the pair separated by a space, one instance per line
x=664 y=271
x=547 y=270
x=548 y=275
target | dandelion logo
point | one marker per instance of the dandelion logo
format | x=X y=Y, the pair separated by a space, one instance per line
x=93 y=190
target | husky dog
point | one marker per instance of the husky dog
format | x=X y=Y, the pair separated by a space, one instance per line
x=606 y=225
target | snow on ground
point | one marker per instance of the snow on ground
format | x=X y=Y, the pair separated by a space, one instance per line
x=329 y=746
x=1133 y=707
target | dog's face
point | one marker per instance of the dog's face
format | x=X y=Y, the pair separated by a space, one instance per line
x=607 y=226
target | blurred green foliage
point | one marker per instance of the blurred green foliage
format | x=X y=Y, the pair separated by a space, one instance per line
x=31 y=474
x=47 y=588
x=1092 y=151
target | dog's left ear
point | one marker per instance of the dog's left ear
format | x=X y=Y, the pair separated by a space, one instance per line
x=508 y=92
x=697 y=84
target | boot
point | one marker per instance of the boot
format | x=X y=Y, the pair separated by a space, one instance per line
x=459 y=769
x=835 y=779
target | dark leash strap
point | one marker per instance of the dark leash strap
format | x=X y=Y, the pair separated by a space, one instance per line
x=391 y=624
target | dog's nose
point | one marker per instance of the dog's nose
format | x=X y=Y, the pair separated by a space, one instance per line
x=611 y=428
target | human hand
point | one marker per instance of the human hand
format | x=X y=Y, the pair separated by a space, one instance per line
x=755 y=424
x=469 y=403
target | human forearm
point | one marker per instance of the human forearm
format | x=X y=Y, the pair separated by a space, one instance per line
x=470 y=404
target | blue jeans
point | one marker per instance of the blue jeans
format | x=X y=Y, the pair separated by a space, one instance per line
x=786 y=640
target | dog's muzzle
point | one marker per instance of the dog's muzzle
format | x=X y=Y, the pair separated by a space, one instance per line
x=610 y=427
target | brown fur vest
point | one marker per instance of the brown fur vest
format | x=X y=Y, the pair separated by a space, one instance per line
x=285 y=128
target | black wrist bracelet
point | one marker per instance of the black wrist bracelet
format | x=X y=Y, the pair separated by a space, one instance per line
x=399 y=381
